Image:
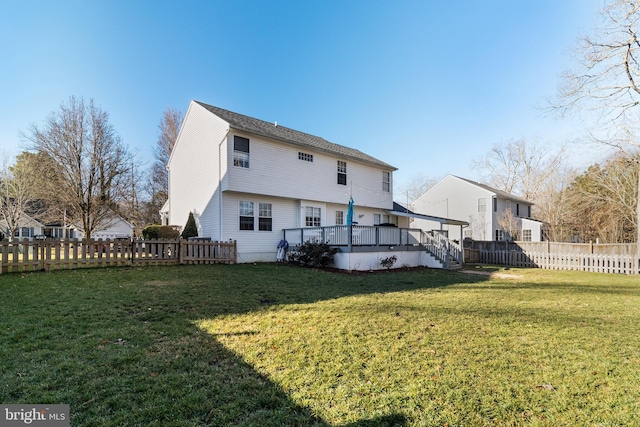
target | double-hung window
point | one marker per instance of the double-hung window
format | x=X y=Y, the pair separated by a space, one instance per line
x=386 y=182
x=339 y=217
x=342 y=172
x=240 y=151
x=482 y=204
x=246 y=216
x=312 y=217
x=264 y=217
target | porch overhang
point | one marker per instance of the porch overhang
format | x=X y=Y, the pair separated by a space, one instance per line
x=448 y=221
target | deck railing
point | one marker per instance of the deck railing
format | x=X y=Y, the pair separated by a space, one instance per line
x=354 y=235
x=350 y=236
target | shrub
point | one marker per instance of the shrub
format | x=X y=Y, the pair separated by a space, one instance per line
x=190 y=229
x=312 y=254
x=388 y=262
x=160 y=232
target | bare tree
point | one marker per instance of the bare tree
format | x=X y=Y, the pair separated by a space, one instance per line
x=520 y=168
x=601 y=202
x=92 y=165
x=416 y=187
x=509 y=223
x=532 y=171
x=158 y=185
x=168 y=130
x=606 y=81
x=16 y=193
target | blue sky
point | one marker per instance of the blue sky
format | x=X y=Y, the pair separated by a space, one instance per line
x=427 y=86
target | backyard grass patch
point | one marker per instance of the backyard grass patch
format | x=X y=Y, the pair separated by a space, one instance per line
x=279 y=345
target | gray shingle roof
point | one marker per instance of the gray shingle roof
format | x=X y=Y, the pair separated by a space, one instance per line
x=502 y=194
x=291 y=136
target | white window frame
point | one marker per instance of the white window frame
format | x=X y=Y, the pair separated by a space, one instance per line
x=246 y=210
x=340 y=218
x=482 y=204
x=265 y=211
x=386 y=181
x=305 y=157
x=342 y=171
x=312 y=216
x=241 y=158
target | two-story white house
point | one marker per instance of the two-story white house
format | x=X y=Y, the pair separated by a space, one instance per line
x=247 y=180
x=492 y=214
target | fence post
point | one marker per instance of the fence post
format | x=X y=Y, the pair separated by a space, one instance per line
x=182 y=244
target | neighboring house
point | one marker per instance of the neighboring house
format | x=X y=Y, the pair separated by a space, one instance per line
x=28 y=228
x=247 y=180
x=31 y=228
x=492 y=214
x=116 y=228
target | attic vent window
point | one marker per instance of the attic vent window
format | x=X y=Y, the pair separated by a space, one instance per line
x=304 y=156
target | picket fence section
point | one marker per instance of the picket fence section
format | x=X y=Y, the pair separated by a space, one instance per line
x=597 y=263
x=34 y=255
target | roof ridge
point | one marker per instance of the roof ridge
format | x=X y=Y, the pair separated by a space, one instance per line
x=290 y=135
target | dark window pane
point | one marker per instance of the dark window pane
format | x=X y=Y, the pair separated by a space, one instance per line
x=240 y=144
x=246 y=223
x=264 y=224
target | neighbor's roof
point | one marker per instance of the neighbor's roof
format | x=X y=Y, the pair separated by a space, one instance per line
x=291 y=136
x=500 y=193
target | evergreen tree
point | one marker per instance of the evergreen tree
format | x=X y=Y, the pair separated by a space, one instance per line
x=190 y=229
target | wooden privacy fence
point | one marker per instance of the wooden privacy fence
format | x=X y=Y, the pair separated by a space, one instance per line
x=597 y=263
x=26 y=255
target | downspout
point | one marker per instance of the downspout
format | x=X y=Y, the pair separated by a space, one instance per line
x=220 y=228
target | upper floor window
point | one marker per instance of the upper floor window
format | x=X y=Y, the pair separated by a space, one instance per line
x=339 y=217
x=386 y=182
x=240 y=151
x=517 y=209
x=342 y=172
x=305 y=156
x=495 y=204
x=529 y=211
x=246 y=216
x=482 y=204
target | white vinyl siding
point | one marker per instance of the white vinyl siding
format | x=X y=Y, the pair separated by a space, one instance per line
x=194 y=170
x=277 y=171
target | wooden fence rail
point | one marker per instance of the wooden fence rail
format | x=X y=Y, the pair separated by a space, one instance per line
x=34 y=255
x=597 y=263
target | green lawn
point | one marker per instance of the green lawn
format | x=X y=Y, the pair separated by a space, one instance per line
x=278 y=345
